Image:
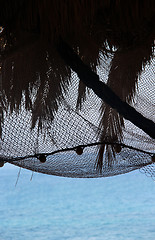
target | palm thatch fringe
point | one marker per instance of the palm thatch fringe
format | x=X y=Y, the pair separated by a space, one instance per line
x=89 y=27
x=102 y=90
x=28 y=68
x=126 y=67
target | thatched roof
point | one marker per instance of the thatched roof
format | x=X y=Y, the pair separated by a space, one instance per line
x=83 y=23
x=96 y=29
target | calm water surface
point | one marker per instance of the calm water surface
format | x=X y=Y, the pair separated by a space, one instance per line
x=56 y=208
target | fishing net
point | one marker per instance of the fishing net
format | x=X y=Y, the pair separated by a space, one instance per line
x=77 y=110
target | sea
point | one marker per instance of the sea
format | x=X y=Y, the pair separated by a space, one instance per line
x=42 y=207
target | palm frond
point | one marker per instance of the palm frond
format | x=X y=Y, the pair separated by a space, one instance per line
x=123 y=77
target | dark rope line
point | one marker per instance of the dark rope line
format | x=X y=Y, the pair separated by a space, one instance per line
x=11 y=160
x=91 y=80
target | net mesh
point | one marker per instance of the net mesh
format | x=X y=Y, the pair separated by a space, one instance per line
x=51 y=122
x=72 y=131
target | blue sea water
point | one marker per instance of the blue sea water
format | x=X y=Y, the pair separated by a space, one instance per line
x=57 y=208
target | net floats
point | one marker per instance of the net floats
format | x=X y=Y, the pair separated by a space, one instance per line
x=1 y=163
x=79 y=150
x=117 y=148
x=42 y=158
x=153 y=158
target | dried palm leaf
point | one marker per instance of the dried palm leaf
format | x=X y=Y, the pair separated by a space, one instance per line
x=125 y=70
